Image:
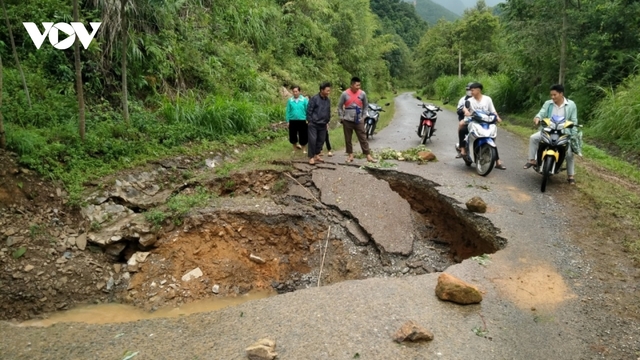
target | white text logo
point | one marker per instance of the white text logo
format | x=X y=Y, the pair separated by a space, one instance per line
x=71 y=30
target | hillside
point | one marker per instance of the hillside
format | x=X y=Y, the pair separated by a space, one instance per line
x=432 y=12
x=458 y=6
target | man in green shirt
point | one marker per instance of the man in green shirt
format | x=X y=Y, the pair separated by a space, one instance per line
x=296 y=116
x=561 y=106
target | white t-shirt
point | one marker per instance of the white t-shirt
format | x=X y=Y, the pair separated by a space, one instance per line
x=485 y=104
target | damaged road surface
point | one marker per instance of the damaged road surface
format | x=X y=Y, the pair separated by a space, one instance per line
x=364 y=225
x=270 y=231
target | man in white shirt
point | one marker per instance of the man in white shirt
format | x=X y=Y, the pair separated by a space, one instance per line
x=477 y=102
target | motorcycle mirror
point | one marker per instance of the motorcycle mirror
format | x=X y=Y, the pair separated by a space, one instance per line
x=387 y=104
x=419 y=98
x=467 y=104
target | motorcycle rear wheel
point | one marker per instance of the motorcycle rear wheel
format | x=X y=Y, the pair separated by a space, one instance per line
x=546 y=172
x=486 y=158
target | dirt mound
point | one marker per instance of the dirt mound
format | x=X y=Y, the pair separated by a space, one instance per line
x=43 y=269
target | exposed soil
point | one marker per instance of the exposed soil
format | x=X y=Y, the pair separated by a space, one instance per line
x=55 y=274
x=291 y=241
x=51 y=275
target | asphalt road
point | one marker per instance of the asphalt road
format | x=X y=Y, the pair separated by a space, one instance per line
x=536 y=290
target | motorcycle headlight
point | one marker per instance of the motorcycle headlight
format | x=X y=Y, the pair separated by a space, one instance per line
x=547 y=129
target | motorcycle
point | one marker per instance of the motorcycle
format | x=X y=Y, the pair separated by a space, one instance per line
x=482 y=132
x=552 y=148
x=427 y=120
x=371 y=119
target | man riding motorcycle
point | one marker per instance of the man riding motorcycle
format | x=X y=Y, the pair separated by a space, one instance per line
x=561 y=106
x=477 y=102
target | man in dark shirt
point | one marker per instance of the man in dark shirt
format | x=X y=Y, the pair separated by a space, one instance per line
x=318 y=115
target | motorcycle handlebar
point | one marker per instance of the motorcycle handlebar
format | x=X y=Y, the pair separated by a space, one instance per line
x=425 y=105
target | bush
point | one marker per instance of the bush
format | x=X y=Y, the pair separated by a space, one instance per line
x=58 y=153
x=617 y=116
x=499 y=87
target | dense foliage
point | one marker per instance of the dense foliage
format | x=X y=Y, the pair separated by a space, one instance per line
x=196 y=70
x=591 y=46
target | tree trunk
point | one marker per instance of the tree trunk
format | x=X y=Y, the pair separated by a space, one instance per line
x=563 y=45
x=79 y=87
x=15 y=54
x=125 y=105
x=3 y=138
x=459 y=64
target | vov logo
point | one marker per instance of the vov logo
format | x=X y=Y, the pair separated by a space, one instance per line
x=71 y=30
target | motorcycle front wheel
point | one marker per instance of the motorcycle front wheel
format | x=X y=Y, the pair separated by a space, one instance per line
x=426 y=134
x=547 y=165
x=368 y=130
x=486 y=157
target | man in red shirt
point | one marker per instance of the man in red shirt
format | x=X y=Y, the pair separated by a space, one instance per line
x=351 y=110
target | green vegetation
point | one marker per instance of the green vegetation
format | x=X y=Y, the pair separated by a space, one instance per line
x=521 y=47
x=432 y=12
x=199 y=75
x=178 y=206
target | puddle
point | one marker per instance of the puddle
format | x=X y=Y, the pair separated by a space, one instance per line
x=121 y=313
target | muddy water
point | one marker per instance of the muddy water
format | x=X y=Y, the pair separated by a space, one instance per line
x=120 y=313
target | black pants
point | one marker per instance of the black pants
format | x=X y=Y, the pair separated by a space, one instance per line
x=298 y=132
x=328 y=143
x=317 y=138
x=461 y=135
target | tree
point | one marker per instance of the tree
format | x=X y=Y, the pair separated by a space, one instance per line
x=116 y=24
x=3 y=138
x=79 y=87
x=563 y=44
x=124 y=36
x=15 y=53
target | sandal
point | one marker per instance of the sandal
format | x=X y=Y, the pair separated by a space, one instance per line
x=319 y=160
x=528 y=165
x=311 y=162
x=571 y=181
x=501 y=167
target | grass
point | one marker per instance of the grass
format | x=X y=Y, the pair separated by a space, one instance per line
x=608 y=186
x=181 y=204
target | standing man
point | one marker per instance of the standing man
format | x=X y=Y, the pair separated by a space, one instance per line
x=318 y=115
x=561 y=106
x=477 y=102
x=351 y=110
x=296 y=116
